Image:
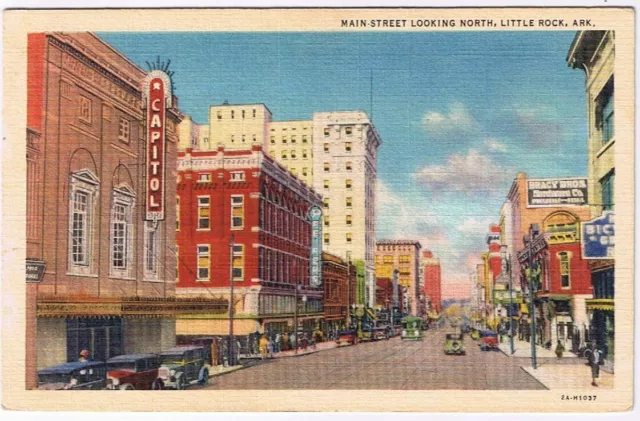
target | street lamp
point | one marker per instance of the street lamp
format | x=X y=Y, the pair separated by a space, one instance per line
x=506 y=258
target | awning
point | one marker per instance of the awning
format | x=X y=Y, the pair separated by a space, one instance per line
x=206 y=327
x=605 y=304
x=371 y=313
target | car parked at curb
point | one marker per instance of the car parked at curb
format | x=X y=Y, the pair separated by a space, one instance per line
x=347 y=337
x=77 y=375
x=454 y=344
x=132 y=371
x=180 y=367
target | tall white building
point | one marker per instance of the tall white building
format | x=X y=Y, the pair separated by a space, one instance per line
x=345 y=148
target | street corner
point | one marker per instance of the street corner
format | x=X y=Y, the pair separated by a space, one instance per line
x=573 y=377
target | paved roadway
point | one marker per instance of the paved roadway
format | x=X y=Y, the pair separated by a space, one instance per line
x=392 y=364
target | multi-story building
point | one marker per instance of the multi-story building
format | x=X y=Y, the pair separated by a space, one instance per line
x=237 y=126
x=403 y=256
x=243 y=224
x=339 y=279
x=192 y=135
x=593 y=52
x=345 y=149
x=562 y=280
x=107 y=279
x=432 y=280
x=291 y=144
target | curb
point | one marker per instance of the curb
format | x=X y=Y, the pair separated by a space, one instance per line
x=535 y=378
x=236 y=368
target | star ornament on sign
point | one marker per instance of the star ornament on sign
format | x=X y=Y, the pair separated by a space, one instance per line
x=156 y=86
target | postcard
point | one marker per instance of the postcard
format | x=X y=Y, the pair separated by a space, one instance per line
x=309 y=209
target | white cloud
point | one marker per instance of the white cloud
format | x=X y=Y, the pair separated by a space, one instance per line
x=495 y=145
x=538 y=126
x=475 y=226
x=457 y=119
x=470 y=172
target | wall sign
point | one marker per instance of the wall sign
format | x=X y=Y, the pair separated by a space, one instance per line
x=35 y=270
x=315 y=265
x=598 y=237
x=552 y=192
x=157 y=92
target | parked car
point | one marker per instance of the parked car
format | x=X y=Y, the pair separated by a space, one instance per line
x=489 y=340
x=80 y=375
x=381 y=333
x=454 y=344
x=132 y=372
x=181 y=366
x=347 y=337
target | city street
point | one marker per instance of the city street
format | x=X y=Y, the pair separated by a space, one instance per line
x=392 y=364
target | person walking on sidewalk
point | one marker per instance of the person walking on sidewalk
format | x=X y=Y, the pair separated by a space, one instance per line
x=264 y=347
x=559 y=349
x=594 y=356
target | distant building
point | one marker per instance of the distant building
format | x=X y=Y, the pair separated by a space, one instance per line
x=242 y=218
x=432 y=280
x=339 y=279
x=404 y=256
x=291 y=144
x=237 y=127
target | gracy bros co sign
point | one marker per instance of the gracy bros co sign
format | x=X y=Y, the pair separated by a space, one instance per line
x=157 y=92
x=552 y=192
x=315 y=265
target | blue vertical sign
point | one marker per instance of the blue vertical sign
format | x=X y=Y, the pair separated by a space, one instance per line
x=315 y=263
x=598 y=237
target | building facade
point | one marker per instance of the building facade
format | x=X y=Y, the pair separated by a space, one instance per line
x=403 y=256
x=291 y=144
x=594 y=52
x=243 y=224
x=237 y=126
x=108 y=284
x=345 y=149
x=339 y=279
x=432 y=280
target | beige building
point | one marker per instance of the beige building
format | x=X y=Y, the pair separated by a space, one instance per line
x=404 y=256
x=238 y=126
x=291 y=144
x=192 y=135
x=345 y=149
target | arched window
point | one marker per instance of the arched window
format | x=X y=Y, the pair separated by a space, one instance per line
x=121 y=231
x=84 y=187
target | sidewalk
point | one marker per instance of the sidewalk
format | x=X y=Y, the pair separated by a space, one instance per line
x=322 y=346
x=523 y=350
x=569 y=376
x=218 y=370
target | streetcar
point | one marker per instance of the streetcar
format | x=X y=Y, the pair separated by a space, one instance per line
x=412 y=328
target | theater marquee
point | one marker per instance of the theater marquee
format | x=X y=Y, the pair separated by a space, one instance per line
x=157 y=91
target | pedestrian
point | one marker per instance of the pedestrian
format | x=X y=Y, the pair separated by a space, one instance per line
x=277 y=343
x=264 y=347
x=292 y=341
x=270 y=347
x=84 y=355
x=559 y=349
x=285 y=341
x=594 y=356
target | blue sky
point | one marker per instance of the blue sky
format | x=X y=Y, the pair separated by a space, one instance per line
x=459 y=113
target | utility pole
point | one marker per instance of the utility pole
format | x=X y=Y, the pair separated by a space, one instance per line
x=348 y=292
x=507 y=265
x=295 y=320
x=532 y=306
x=232 y=342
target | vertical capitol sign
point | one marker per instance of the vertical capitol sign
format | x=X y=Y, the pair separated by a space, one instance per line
x=157 y=93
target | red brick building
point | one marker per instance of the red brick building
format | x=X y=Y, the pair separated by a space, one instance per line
x=108 y=283
x=339 y=278
x=562 y=280
x=432 y=280
x=245 y=201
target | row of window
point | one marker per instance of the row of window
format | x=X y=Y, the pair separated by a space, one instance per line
x=347 y=166
x=389 y=259
x=85 y=114
x=204 y=212
x=348 y=220
x=292 y=139
x=348 y=184
x=293 y=154
x=347 y=147
x=232 y=114
x=348 y=130
x=243 y=138
x=234 y=176
x=348 y=202
x=276 y=266
x=348 y=237
x=278 y=221
x=203 y=256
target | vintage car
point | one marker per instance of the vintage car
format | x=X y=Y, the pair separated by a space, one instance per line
x=454 y=344
x=489 y=340
x=412 y=328
x=79 y=375
x=347 y=337
x=181 y=366
x=381 y=333
x=132 y=372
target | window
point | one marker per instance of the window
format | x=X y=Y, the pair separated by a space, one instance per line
x=349 y=220
x=326 y=147
x=293 y=154
x=151 y=249
x=326 y=132
x=304 y=138
x=237 y=176
x=233 y=114
x=326 y=202
x=177 y=213
x=123 y=130
x=253 y=138
x=120 y=232
x=294 y=171
x=565 y=269
x=238 y=262
x=273 y=139
x=326 y=167
x=242 y=113
x=283 y=154
x=177 y=263
x=604 y=109
x=204 y=178
x=347 y=146
x=293 y=139
x=232 y=139
x=305 y=171
x=243 y=138
x=347 y=183
x=388 y=259
x=348 y=130
x=348 y=166
x=272 y=154
x=237 y=212
x=284 y=140
x=348 y=237
x=254 y=113
x=219 y=115
x=607 y=184
x=404 y=258
x=326 y=184
x=204 y=209
x=81 y=206
x=85 y=111
x=203 y=262
x=326 y=220
x=349 y=201
x=326 y=238
x=304 y=154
